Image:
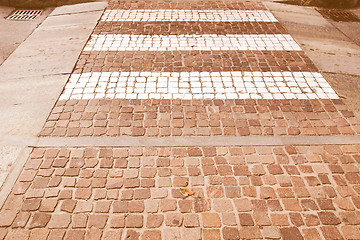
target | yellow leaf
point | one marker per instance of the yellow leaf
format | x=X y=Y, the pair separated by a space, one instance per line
x=186 y=192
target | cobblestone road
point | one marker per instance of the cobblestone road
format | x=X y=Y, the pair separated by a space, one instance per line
x=191 y=68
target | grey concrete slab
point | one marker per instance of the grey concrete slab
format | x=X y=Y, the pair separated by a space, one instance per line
x=24 y=109
x=16 y=141
x=53 y=48
x=18 y=156
x=350 y=29
x=71 y=20
x=313 y=25
x=8 y=155
x=331 y=55
x=348 y=88
x=13 y=33
x=297 y=11
x=79 y=8
x=330 y=49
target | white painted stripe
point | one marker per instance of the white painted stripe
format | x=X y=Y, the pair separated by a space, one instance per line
x=125 y=42
x=198 y=85
x=189 y=15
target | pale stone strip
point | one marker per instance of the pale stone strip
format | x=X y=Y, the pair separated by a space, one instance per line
x=127 y=141
x=189 y=15
x=205 y=42
x=198 y=85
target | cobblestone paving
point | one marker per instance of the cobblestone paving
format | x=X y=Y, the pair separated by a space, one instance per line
x=210 y=42
x=188 y=5
x=191 y=68
x=170 y=15
x=178 y=193
x=194 y=61
x=200 y=118
x=198 y=85
x=177 y=28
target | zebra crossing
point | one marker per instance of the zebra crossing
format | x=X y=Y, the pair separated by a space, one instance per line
x=178 y=85
x=198 y=85
x=170 y=15
x=199 y=74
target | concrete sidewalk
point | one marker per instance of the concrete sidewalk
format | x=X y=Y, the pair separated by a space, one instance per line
x=34 y=75
x=334 y=47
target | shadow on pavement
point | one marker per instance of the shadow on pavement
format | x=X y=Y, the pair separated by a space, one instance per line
x=323 y=3
x=40 y=3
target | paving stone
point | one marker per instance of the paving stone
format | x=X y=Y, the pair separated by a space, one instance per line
x=134 y=221
x=230 y=233
x=172 y=233
x=198 y=85
x=112 y=234
x=97 y=221
x=168 y=205
x=185 y=206
x=250 y=233
x=39 y=234
x=235 y=42
x=223 y=205
x=68 y=205
x=262 y=217
x=271 y=232
x=228 y=219
x=18 y=234
x=211 y=220
x=31 y=204
x=328 y=218
x=188 y=15
x=190 y=61
x=173 y=219
x=242 y=205
x=151 y=234
x=79 y=220
x=191 y=220
x=178 y=28
x=311 y=233
x=39 y=220
x=331 y=232
x=48 y=205
x=291 y=233
x=241 y=110
x=159 y=4
x=21 y=219
x=350 y=232
x=75 y=234
x=154 y=220
x=7 y=218
x=194 y=233
x=83 y=206
x=213 y=234
x=60 y=221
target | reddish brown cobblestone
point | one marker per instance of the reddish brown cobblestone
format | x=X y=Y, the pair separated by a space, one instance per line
x=191 y=5
x=263 y=192
x=194 y=61
x=200 y=118
x=177 y=28
x=274 y=199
